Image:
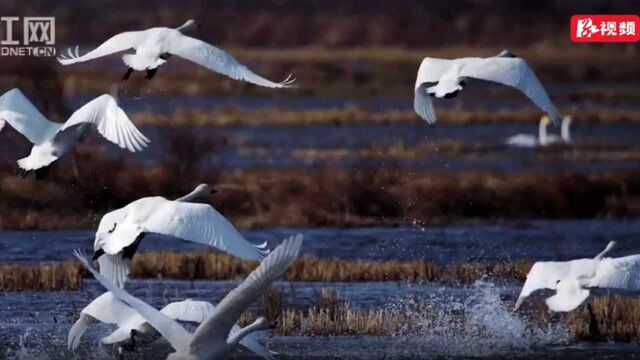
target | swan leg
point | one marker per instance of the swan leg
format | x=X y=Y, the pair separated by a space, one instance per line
x=151 y=73
x=23 y=173
x=127 y=74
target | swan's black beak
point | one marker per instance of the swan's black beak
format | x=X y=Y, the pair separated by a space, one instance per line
x=97 y=254
x=213 y=191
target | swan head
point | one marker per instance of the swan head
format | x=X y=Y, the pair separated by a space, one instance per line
x=204 y=190
x=506 y=53
x=189 y=25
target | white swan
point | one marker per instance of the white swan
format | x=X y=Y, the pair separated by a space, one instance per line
x=120 y=231
x=572 y=279
x=154 y=46
x=444 y=78
x=53 y=140
x=212 y=339
x=132 y=327
x=543 y=138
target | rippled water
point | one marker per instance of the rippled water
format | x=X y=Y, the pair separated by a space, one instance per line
x=534 y=239
x=35 y=324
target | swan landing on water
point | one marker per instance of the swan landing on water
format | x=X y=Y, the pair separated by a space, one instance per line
x=154 y=46
x=444 y=78
x=53 y=140
x=120 y=231
x=572 y=279
x=133 y=330
x=543 y=139
x=213 y=338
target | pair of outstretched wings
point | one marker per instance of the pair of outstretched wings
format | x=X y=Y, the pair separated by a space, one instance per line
x=102 y=112
x=512 y=72
x=175 y=43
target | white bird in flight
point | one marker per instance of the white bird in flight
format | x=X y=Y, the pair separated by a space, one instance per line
x=53 y=140
x=212 y=339
x=134 y=329
x=572 y=279
x=120 y=231
x=154 y=46
x=444 y=78
x=543 y=138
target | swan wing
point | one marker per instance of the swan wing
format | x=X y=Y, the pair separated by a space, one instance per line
x=77 y=331
x=201 y=223
x=423 y=106
x=429 y=72
x=512 y=72
x=618 y=273
x=24 y=117
x=252 y=343
x=188 y=310
x=111 y=122
x=177 y=336
x=228 y=311
x=120 y=42
x=218 y=60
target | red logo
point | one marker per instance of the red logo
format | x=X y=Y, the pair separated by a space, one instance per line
x=605 y=28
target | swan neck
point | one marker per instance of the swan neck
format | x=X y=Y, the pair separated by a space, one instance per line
x=542 y=132
x=234 y=339
x=564 y=131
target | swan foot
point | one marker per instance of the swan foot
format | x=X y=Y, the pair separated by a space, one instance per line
x=451 y=95
x=151 y=73
x=127 y=74
x=22 y=173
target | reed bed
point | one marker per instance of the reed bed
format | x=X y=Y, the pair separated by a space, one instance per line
x=218 y=266
x=358 y=115
x=43 y=277
x=612 y=318
x=320 y=197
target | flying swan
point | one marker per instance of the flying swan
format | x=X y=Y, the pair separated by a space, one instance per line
x=53 y=140
x=572 y=279
x=120 y=231
x=154 y=46
x=444 y=78
x=133 y=328
x=212 y=339
x=543 y=139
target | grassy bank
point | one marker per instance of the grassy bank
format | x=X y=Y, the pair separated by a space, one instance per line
x=356 y=115
x=215 y=266
x=322 y=197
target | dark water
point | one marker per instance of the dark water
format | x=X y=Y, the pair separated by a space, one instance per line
x=521 y=240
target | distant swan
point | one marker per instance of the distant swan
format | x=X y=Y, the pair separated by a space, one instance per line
x=213 y=338
x=120 y=231
x=543 y=138
x=444 y=78
x=154 y=46
x=53 y=140
x=572 y=279
x=132 y=327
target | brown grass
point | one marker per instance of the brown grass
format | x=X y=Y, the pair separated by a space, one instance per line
x=618 y=318
x=331 y=197
x=217 y=266
x=357 y=115
x=46 y=277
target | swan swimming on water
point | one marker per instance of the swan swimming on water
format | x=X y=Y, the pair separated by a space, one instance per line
x=53 y=140
x=543 y=139
x=133 y=328
x=212 y=339
x=444 y=78
x=154 y=46
x=120 y=231
x=572 y=279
